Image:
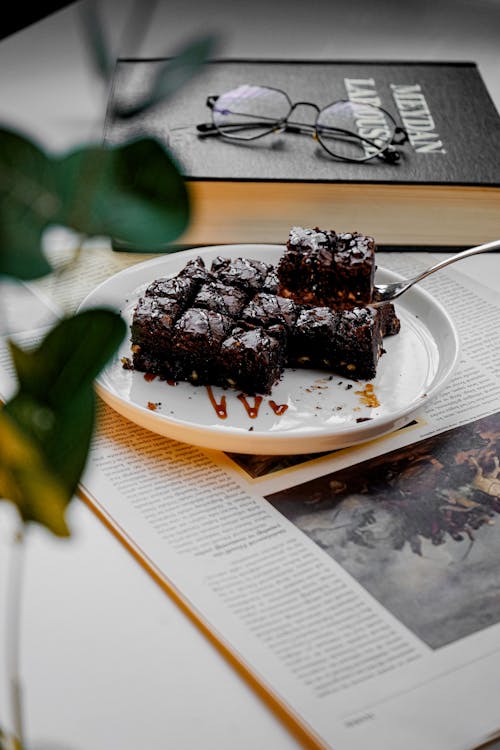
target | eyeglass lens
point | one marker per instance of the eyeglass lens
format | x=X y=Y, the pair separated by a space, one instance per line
x=249 y=112
x=352 y=130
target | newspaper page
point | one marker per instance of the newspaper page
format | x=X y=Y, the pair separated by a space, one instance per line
x=359 y=587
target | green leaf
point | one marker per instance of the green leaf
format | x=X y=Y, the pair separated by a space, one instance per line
x=27 y=481
x=60 y=435
x=70 y=356
x=46 y=429
x=171 y=76
x=134 y=193
x=28 y=202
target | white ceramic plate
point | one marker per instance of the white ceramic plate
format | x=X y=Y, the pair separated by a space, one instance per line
x=322 y=412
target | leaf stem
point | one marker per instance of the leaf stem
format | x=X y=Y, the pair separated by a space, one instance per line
x=13 y=635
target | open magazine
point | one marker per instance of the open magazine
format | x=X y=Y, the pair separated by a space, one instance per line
x=359 y=589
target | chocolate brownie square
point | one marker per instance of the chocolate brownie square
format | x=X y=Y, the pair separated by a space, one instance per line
x=251 y=360
x=358 y=342
x=307 y=258
x=195 y=269
x=196 y=341
x=323 y=268
x=245 y=273
x=222 y=298
x=179 y=288
x=313 y=339
x=266 y=310
x=353 y=270
x=152 y=326
x=153 y=321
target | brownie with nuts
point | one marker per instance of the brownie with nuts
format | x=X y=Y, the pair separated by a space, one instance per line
x=353 y=270
x=358 y=343
x=240 y=322
x=152 y=327
x=307 y=258
x=312 y=341
x=251 y=360
x=196 y=342
x=323 y=268
x=345 y=341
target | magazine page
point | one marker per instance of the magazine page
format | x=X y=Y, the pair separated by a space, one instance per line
x=290 y=595
x=359 y=587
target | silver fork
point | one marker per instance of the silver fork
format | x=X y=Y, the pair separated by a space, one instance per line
x=387 y=292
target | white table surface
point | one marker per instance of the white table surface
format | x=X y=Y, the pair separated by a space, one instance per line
x=109 y=661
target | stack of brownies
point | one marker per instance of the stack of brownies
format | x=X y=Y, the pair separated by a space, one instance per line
x=240 y=322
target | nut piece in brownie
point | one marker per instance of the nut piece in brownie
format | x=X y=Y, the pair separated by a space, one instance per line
x=245 y=273
x=323 y=268
x=251 y=360
x=196 y=342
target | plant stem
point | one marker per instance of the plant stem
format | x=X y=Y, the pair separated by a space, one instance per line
x=4 y=326
x=13 y=639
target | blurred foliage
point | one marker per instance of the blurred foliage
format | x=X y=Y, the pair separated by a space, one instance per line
x=133 y=193
x=170 y=75
x=46 y=428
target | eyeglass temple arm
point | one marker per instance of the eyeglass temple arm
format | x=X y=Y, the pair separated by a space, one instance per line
x=208 y=128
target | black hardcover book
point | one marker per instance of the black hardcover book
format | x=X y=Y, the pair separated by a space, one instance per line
x=443 y=192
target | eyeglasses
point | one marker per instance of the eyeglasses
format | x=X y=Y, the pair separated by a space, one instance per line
x=346 y=130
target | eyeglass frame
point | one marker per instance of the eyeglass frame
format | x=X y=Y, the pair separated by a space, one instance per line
x=281 y=125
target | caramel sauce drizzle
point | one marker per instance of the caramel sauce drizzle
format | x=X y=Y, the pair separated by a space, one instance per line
x=219 y=407
x=252 y=411
x=149 y=376
x=278 y=409
x=368 y=396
